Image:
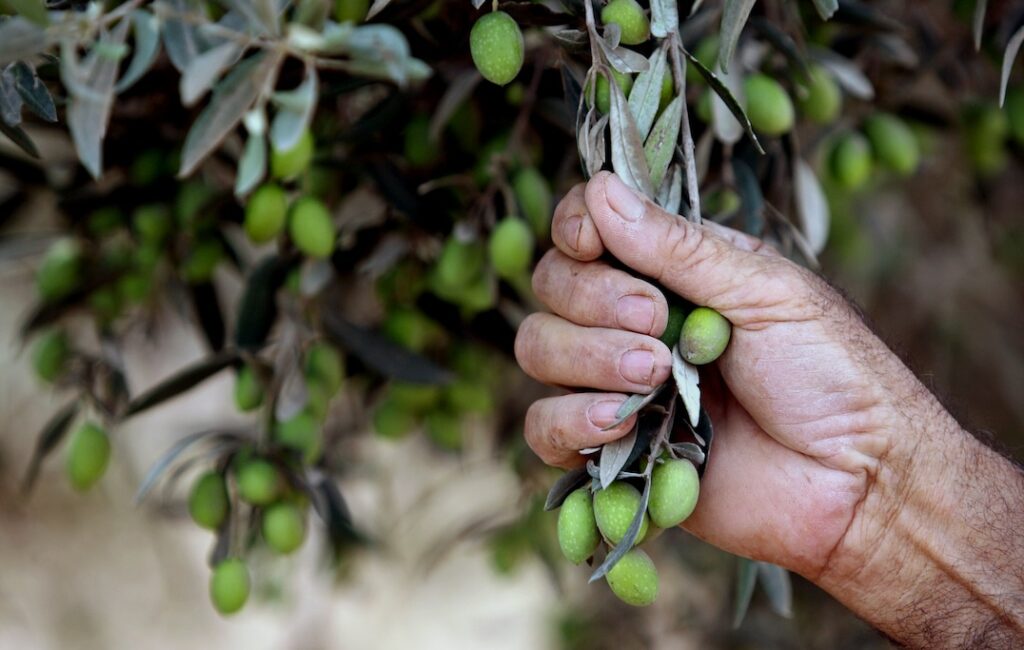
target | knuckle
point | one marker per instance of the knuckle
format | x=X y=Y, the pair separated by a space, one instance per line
x=526 y=342
x=685 y=248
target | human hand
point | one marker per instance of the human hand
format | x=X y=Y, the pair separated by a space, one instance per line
x=805 y=400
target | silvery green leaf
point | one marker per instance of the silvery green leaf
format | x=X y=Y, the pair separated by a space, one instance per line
x=725 y=125
x=34 y=10
x=777 y=586
x=633 y=404
x=572 y=39
x=746 y=578
x=334 y=38
x=172 y=454
x=688 y=384
x=1009 y=56
x=895 y=48
x=811 y=206
x=146 y=30
x=33 y=91
x=734 y=17
x=614 y=456
x=18 y=136
x=627 y=147
x=314 y=277
x=10 y=99
x=204 y=70
x=628 y=539
x=261 y=16
x=828 y=7
x=378 y=43
x=661 y=145
x=565 y=485
x=664 y=17
x=846 y=72
x=181 y=38
x=726 y=90
x=379 y=5
x=295 y=111
x=252 y=166
x=20 y=39
x=645 y=96
x=624 y=60
x=670 y=194
x=90 y=84
x=690 y=452
x=232 y=97
x=980 y=6
x=751 y=197
x=458 y=91
x=597 y=145
x=612 y=34
x=594 y=472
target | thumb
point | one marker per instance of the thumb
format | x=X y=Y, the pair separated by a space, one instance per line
x=690 y=259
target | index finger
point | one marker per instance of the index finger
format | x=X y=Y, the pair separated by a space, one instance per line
x=572 y=229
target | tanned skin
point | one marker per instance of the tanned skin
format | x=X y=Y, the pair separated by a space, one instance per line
x=831 y=458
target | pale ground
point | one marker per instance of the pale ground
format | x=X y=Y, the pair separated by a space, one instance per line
x=95 y=571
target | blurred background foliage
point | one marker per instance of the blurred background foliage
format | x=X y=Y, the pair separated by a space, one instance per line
x=376 y=374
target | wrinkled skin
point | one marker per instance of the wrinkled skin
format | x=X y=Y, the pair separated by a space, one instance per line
x=801 y=413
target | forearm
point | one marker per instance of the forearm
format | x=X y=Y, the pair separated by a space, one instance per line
x=935 y=556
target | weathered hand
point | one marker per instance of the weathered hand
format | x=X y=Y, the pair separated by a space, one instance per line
x=802 y=410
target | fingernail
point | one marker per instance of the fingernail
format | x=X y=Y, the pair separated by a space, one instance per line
x=637 y=366
x=602 y=414
x=571 y=232
x=623 y=200
x=635 y=313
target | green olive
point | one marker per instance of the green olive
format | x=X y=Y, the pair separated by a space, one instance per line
x=287 y=165
x=325 y=365
x=61 y=270
x=259 y=482
x=614 y=509
x=445 y=429
x=311 y=228
x=229 y=586
x=603 y=91
x=50 y=354
x=208 y=501
x=265 y=213
x=704 y=336
x=496 y=45
x=823 y=99
x=675 y=488
x=87 y=457
x=393 y=420
x=631 y=19
x=674 y=325
x=850 y=161
x=419 y=150
x=511 y=248
x=634 y=579
x=533 y=194
x=284 y=527
x=769 y=107
x=578 y=535
x=893 y=143
x=248 y=391
x=302 y=433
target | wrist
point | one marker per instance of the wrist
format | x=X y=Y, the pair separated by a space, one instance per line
x=925 y=558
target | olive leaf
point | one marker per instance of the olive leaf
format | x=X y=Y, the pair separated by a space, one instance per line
x=622 y=59
x=207 y=309
x=661 y=145
x=978 y=22
x=10 y=100
x=295 y=111
x=645 y=95
x=146 y=36
x=751 y=197
x=782 y=42
x=33 y=91
x=252 y=166
x=165 y=460
x=458 y=91
x=633 y=404
x=811 y=206
x=826 y=8
x=670 y=193
x=614 y=456
x=777 y=586
x=846 y=72
x=18 y=136
x=53 y=432
x=724 y=93
x=664 y=17
x=182 y=381
x=746 y=578
x=257 y=309
x=20 y=39
x=231 y=99
x=690 y=452
x=688 y=383
x=1009 y=56
x=734 y=17
x=565 y=485
x=181 y=38
x=627 y=148
x=627 y=541
x=91 y=87
x=205 y=69
x=379 y=5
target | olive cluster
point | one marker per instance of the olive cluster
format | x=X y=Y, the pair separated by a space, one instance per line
x=588 y=518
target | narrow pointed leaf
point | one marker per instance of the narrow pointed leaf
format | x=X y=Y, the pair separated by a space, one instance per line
x=664 y=17
x=826 y=8
x=661 y=145
x=182 y=381
x=811 y=206
x=158 y=468
x=627 y=147
x=33 y=92
x=746 y=578
x=645 y=95
x=628 y=539
x=734 y=17
x=146 y=33
x=614 y=456
x=633 y=404
x=565 y=485
x=688 y=383
x=978 y=23
x=383 y=355
x=53 y=432
x=257 y=309
x=295 y=112
x=1009 y=56
x=725 y=94
x=776 y=583
x=252 y=166
x=204 y=71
